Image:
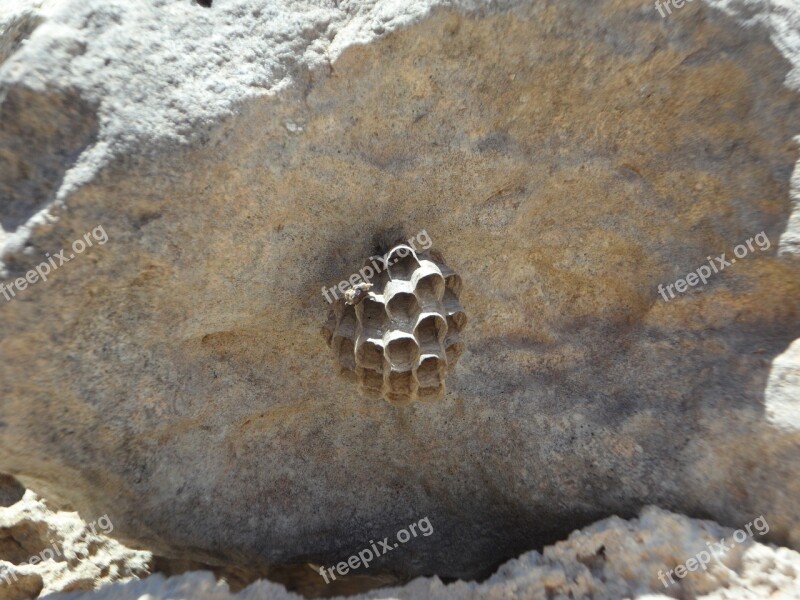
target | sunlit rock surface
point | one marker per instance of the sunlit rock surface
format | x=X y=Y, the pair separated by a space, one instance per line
x=568 y=158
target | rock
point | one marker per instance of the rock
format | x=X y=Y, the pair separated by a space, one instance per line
x=11 y=490
x=43 y=552
x=782 y=399
x=611 y=559
x=19 y=584
x=207 y=170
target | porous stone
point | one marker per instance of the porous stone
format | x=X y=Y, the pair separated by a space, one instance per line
x=609 y=560
x=44 y=551
x=568 y=157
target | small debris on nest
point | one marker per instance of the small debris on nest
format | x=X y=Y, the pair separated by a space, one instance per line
x=357 y=293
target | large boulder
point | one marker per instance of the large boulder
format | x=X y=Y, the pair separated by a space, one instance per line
x=207 y=170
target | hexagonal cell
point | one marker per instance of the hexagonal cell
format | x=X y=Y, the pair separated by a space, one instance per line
x=456 y=322
x=453 y=353
x=450 y=302
x=402 y=382
x=346 y=326
x=373 y=318
x=345 y=352
x=402 y=387
x=402 y=353
x=430 y=371
x=380 y=275
x=430 y=330
x=370 y=355
x=430 y=289
x=453 y=283
x=371 y=379
x=403 y=307
x=401 y=262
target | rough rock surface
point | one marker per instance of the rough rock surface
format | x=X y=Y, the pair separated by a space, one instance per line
x=42 y=552
x=612 y=559
x=566 y=157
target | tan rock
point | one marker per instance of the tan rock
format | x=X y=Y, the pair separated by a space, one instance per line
x=566 y=157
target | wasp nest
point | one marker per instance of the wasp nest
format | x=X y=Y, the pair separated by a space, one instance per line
x=399 y=336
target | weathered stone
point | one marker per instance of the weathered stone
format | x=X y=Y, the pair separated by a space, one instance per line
x=568 y=158
x=609 y=560
x=43 y=552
